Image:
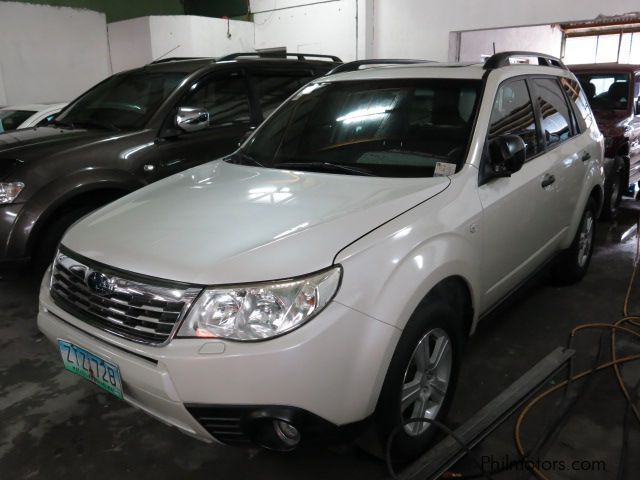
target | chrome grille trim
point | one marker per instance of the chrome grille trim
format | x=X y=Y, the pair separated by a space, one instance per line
x=139 y=311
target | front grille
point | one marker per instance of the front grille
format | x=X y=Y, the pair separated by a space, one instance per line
x=136 y=310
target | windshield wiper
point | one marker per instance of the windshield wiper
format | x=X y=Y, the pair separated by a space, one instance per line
x=242 y=158
x=94 y=124
x=326 y=166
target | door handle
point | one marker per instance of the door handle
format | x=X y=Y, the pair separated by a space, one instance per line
x=585 y=156
x=548 y=180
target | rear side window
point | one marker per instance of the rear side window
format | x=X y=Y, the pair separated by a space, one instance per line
x=555 y=117
x=513 y=114
x=272 y=90
x=579 y=100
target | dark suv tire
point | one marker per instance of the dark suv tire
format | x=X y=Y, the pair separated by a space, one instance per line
x=613 y=188
x=48 y=242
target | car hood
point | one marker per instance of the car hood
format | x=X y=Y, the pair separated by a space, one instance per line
x=29 y=143
x=611 y=122
x=222 y=223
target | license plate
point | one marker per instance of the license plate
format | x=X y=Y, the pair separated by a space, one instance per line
x=81 y=362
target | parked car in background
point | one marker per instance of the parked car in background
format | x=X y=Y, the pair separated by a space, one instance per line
x=130 y=130
x=25 y=116
x=323 y=278
x=613 y=90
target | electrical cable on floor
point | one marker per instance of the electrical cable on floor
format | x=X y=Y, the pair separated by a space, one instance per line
x=567 y=403
x=615 y=361
x=440 y=426
x=624 y=450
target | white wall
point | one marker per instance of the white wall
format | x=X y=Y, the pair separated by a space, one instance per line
x=420 y=28
x=542 y=38
x=141 y=40
x=329 y=27
x=129 y=43
x=199 y=36
x=50 y=54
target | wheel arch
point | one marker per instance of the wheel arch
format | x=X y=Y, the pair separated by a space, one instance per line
x=89 y=194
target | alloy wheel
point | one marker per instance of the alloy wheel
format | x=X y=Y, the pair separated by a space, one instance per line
x=426 y=380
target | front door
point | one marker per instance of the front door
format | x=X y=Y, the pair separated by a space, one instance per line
x=225 y=97
x=519 y=224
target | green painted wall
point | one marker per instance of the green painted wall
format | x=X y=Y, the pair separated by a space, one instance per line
x=123 y=9
x=216 y=8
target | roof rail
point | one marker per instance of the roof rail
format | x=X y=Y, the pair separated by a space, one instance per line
x=177 y=59
x=299 y=56
x=355 y=65
x=501 y=59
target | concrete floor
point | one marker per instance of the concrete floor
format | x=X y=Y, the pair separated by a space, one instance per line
x=54 y=425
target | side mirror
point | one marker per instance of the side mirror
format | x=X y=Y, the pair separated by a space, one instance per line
x=507 y=154
x=637 y=106
x=192 y=119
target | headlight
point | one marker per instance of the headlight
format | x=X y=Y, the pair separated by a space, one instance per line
x=260 y=311
x=9 y=191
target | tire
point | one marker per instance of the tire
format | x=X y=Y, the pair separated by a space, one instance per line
x=573 y=263
x=50 y=238
x=613 y=189
x=436 y=326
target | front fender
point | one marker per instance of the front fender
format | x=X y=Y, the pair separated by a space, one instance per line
x=43 y=204
x=388 y=272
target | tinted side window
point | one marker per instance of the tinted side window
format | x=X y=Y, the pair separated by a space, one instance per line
x=274 y=89
x=225 y=97
x=554 y=111
x=513 y=114
x=579 y=100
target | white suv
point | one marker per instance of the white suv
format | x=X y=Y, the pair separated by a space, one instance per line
x=323 y=279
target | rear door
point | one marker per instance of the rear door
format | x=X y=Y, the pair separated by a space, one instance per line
x=570 y=152
x=519 y=223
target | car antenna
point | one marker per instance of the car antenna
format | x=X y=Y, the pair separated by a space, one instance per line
x=165 y=54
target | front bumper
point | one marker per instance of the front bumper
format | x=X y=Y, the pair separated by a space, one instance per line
x=328 y=373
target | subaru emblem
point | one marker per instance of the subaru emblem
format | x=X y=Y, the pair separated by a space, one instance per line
x=99 y=283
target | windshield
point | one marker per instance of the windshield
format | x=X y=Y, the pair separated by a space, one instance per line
x=12 y=119
x=606 y=91
x=389 y=128
x=122 y=102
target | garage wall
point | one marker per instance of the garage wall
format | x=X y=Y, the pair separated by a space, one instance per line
x=541 y=38
x=328 y=27
x=50 y=54
x=129 y=43
x=420 y=28
x=199 y=36
x=141 y=40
